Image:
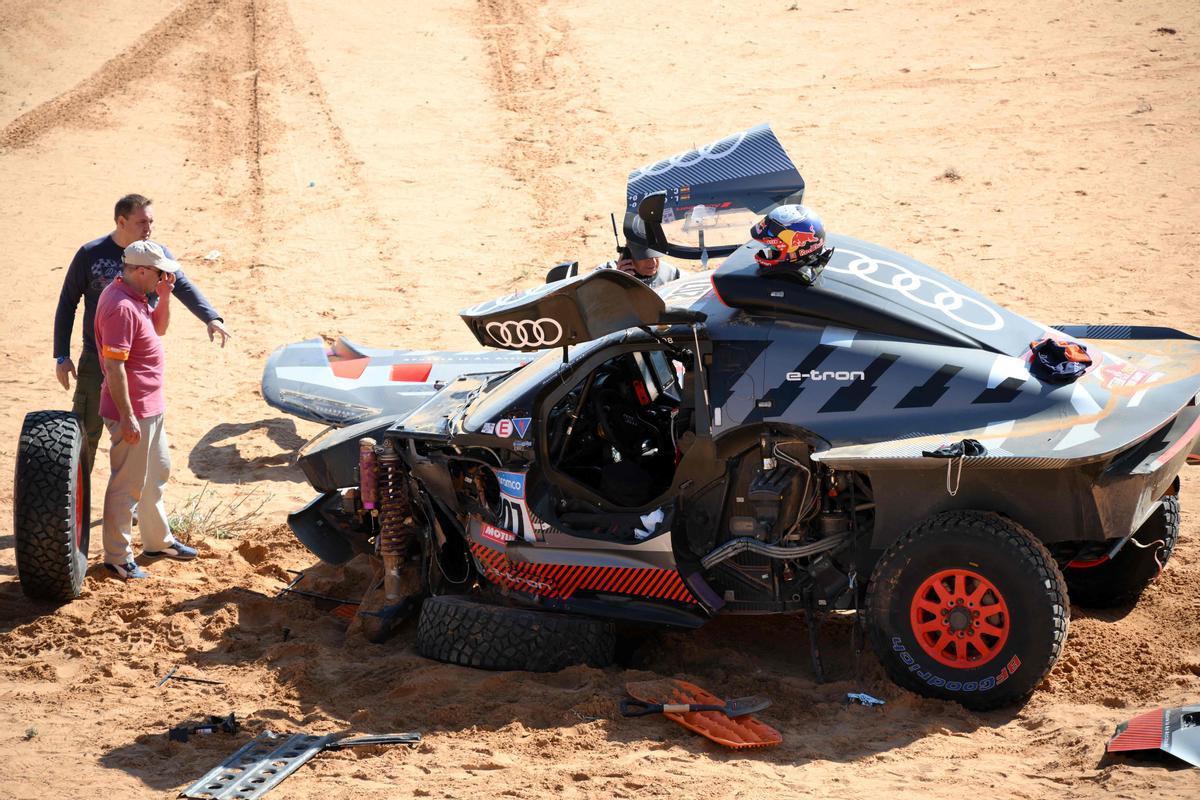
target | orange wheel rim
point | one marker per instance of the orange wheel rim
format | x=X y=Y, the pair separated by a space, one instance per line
x=960 y=618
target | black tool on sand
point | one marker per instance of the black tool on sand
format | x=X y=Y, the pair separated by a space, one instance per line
x=215 y=724
x=737 y=707
x=171 y=676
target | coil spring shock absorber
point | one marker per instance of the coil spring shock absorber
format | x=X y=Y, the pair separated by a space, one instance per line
x=394 y=530
x=368 y=475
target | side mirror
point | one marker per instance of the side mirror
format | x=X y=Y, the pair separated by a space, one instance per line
x=645 y=227
x=562 y=270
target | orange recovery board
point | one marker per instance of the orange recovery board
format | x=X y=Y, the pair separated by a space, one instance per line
x=736 y=732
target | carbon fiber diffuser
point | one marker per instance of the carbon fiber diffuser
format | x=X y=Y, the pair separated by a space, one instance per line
x=1172 y=730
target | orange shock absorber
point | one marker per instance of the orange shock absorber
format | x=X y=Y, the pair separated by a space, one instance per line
x=368 y=474
x=394 y=530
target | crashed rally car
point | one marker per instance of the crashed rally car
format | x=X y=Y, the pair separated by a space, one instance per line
x=872 y=437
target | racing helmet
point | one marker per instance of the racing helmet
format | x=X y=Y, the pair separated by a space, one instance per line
x=793 y=238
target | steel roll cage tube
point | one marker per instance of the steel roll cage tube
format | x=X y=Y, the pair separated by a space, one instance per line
x=547 y=400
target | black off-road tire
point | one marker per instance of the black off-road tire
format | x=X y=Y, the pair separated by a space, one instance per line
x=459 y=629
x=915 y=585
x=1120 y=581
x=51 y=506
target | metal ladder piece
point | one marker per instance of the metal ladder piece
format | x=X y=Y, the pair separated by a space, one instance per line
x=258 y=766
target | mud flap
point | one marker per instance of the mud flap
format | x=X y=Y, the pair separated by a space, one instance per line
x=319 y=536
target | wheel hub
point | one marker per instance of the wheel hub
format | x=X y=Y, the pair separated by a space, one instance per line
x=959 y=618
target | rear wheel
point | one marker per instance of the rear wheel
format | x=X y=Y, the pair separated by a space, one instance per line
x=51 y=506
x=970 y=607
x=459 y=629
x=1118 y=581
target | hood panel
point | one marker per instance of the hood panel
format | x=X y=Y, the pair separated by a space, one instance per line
x=347 y=383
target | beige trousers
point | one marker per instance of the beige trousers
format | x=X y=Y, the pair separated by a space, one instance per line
x=139 y=473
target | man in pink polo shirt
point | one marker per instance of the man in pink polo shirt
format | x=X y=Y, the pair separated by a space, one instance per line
x=132 y=405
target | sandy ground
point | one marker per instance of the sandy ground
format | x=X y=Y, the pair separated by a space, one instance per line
x=368 y=168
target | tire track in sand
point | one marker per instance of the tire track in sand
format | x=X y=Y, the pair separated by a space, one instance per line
x=539 y=82
x=83 y=105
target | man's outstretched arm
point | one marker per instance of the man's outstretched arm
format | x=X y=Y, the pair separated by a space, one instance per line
x=195 y=301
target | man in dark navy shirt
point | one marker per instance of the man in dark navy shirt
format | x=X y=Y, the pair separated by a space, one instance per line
x=93 y=268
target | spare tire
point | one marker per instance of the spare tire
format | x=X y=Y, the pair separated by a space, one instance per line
x=460 y=629
x=51 y=506
x=1119 y=581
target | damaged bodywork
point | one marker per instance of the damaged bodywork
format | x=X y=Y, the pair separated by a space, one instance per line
x=739 y=442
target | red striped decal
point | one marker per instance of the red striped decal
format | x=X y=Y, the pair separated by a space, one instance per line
x=612 y=580
x=1143 y=732
x=563 y=580
x=658 y=583
x=641 y=586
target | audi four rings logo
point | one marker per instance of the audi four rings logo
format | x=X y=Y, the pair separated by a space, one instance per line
x=543 y=332
x=897 y=278
x=709 y=152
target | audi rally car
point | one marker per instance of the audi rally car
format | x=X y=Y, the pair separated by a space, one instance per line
x=884 y=441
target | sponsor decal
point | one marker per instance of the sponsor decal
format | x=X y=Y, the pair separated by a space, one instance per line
x=514 y=511
x=542 y=332
x=1114 y=376
x=497 y=535
x=522 y=444
x=525 y=582
x=988 y=683
x=827 y=375
x=685 y=291
x=506 y=428
x=802 y=237
x=487 y=428
x=540 y=526
x=922 y=290
x=714 y=151
x=512 y=484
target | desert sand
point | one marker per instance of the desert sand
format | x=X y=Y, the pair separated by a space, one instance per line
x=368 y=168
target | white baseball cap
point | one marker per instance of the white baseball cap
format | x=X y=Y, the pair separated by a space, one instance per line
x=145 y=253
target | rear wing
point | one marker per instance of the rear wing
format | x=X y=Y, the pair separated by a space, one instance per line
x=706 y=199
